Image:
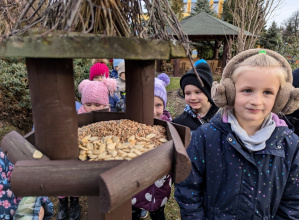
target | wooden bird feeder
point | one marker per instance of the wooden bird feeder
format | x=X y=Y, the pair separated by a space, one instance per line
x=109 y=185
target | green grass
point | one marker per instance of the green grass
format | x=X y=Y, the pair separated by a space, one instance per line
x=174 y=84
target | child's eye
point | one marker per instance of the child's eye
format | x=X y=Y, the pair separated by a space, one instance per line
x=268 y=92
x=98 y=105
x=198 y=92
x=158 y=105
x=187 y=93
x=247 y=91
x=88 y=104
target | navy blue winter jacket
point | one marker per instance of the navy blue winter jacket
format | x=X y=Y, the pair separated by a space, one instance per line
x=229 y=182
x=113 y=74
x=112 y=102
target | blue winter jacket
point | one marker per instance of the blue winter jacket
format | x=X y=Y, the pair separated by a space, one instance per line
x=112 y=102
x=113 y=74
x=229 y=182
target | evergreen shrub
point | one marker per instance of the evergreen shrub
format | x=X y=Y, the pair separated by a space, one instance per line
x=14 y=94
x=15 y=106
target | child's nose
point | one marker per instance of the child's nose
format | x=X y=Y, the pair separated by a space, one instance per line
x=256 y=99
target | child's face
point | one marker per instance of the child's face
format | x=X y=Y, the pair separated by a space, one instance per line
x=89 y=106
x=98 y=78
x=195 y=97
x=158 y=107
x=255 y=96
x=123 y=75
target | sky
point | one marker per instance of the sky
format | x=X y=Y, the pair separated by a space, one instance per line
x=287 y=8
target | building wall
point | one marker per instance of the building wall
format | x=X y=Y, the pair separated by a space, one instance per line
x=216 y=5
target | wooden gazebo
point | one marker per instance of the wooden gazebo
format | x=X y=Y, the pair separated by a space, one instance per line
x=205 y=27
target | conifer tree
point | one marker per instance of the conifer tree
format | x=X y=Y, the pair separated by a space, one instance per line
x=271 y=38
x=177 y=7
x=202 y=6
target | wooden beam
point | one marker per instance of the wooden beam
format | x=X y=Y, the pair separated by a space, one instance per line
x=182 y=163
x=51 y=85
x=59 y=177
x=30 y=137
x=120 y=183
x=158 y=66
x=76 y=45
x=216 y=49
x=140 y=91
x=17 y=148
x=176 y=67
x=183 y=131
x=123 y=211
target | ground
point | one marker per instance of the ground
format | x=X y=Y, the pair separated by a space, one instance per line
x=175 y=103
x=175 y=106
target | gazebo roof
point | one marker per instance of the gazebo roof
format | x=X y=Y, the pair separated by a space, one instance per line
x=204 y=24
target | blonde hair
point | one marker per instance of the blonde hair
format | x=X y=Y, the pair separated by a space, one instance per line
x=261 y=60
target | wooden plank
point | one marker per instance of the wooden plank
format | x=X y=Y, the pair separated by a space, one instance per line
x=182 y=164
x=140 y=91
x=76 y=45
x=85 y=119
x=120 y=183
x=17 y=148
x=51 y=85
x=124 y=211
x=59 y=177
x=30 y=137
x=177 y=50
x=89 y=117
x=107 y=116
x=176 y=67
x=184 y=132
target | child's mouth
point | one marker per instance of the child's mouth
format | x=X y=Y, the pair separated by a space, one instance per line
x=254 y=110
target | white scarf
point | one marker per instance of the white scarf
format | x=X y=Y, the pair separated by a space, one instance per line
x=257 y=141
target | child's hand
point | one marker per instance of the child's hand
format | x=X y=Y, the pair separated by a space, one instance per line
x=41 y=213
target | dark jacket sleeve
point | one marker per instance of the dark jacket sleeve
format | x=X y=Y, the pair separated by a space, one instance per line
x=289 y=204
x=189 y=193
x=178 y=119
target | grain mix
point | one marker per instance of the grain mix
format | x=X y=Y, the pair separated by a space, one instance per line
x=118 y=140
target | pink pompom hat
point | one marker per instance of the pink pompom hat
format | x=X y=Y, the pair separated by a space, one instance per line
x=97 y=92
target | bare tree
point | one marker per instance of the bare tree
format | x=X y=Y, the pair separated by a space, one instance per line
x=292 y=25
x=250 y=15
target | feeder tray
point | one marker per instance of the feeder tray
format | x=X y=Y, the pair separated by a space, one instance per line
x=109 y=185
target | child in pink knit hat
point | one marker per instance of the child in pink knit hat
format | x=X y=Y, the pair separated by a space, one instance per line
x=95 y=94
x=98 y=72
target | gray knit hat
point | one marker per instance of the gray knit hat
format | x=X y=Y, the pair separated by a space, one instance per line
x=121 y=67
x=224 y=93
